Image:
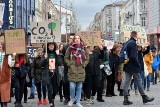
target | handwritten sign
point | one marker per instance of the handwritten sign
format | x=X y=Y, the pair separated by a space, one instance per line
x=91 y=38
x=15 y=41
x=42 y=32
x=31 y=52
x=2 y=7
x=109 y=44
x=142 y=37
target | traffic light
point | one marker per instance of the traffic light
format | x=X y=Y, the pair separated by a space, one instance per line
x=49 y=15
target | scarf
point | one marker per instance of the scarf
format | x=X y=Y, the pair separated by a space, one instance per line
x=77 y=52
x=20 y=61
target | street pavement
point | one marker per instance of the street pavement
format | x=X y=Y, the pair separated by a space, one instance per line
x=109 y=101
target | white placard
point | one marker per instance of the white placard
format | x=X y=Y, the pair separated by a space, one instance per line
x=42 y=32
x=2 y=7
x=109 y=44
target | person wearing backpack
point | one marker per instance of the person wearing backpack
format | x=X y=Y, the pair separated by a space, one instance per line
x=132 y=68
x=155 y=66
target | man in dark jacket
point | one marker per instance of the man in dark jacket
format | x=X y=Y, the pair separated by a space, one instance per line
x=66 y=90
x=133 y=68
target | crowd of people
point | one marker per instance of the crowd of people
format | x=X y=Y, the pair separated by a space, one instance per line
x=78 y=72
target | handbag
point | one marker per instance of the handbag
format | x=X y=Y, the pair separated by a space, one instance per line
x=146 y=72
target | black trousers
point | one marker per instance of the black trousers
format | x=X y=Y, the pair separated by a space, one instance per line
x=66 y=90
x=110 y=84
x=52 y=87
x=100 y=89
x=41 y=88
x=25 y=91
x=60 y=89
x=19 y=88
x=91 y=85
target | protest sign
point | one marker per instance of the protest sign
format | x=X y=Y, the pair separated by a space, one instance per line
x=15 y=41
x=42 y=32
x=91 y=38
x=109 y=44
x=126 y=32
x=31 y=52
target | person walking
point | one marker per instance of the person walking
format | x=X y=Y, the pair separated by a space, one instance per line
x=66 y=90
x=92 y=74
x=148 y=58
x=49 y=64
x=76 y=58
x=37 y=74
x=6 y=62
x=132 y=68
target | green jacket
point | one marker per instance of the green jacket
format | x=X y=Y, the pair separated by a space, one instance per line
x=76 y=73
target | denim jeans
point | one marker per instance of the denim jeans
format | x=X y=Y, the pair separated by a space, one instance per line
x=148 y=80
x=75 y=89
x=33 y=87
x=143 y=78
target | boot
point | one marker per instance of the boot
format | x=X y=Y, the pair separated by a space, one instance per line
x=121 y=92
x=126 y=101
x=146 y=99
x=52 y=105
x=31 y=96
x=129 y=92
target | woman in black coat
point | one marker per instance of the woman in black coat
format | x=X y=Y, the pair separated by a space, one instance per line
x=92 y=74
x=114 y=63
x=38 y=74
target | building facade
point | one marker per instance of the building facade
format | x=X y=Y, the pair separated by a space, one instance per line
x=18 y=14
x=153 y=29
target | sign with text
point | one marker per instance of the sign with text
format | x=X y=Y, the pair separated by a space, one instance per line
x=15 y=41
x=11 y=12
x=42 y=32
x=109 y=44
x=31 y=52
x=2 y=7
x=142 y=37
x=91 y=38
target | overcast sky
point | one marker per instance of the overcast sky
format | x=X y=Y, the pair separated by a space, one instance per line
x=86 y=9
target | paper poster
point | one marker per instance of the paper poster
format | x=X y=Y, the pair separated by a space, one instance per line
x=109 y=44
x=42 y=32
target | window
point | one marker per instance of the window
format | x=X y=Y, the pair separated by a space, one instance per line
x=143 y=20
x=109 y=10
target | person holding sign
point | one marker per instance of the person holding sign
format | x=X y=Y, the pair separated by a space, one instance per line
x=50 y=70
x=76 y=58
x=6 y=62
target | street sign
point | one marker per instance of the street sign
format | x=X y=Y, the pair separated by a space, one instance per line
x=42 y=32
x=111 y=38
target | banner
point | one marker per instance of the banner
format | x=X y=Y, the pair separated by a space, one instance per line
x=15 y=41
x=91 y=38
x=31 y=51
x=109 y=44
x=126 y=32
x=42 y=32
x=2 y=7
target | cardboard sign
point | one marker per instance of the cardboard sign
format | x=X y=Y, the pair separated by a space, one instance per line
x=142 y=37
x=15 y=41
x=42 y=32
x=31 y=51
x=91 y=38
x=109 y=44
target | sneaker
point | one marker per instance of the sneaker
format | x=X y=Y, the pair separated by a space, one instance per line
x=92 y=100
x=39 y=102
x=79 y=105
x=70 y=104
x=88 y=102
x=44 y=101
